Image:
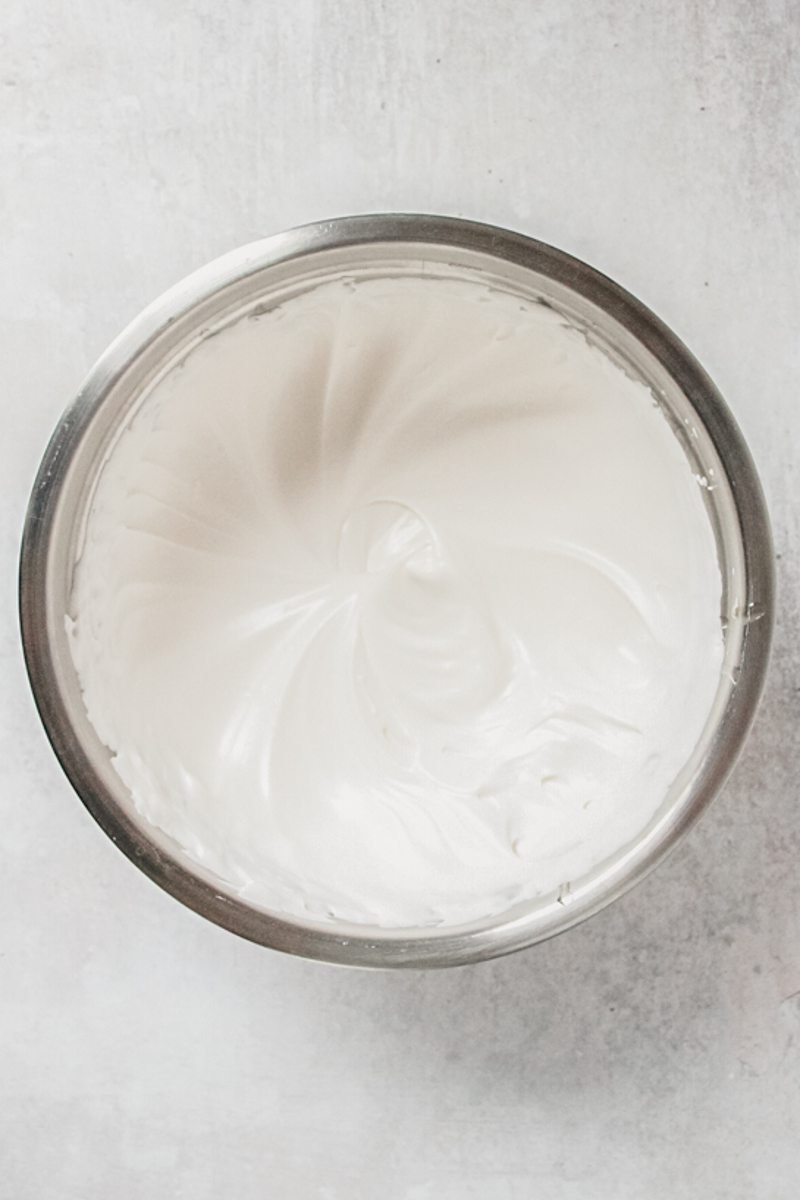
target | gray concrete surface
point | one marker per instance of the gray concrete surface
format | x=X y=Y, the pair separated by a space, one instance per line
x=652 y=1053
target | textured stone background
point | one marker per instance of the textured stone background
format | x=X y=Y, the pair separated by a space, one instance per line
x=652 y=1053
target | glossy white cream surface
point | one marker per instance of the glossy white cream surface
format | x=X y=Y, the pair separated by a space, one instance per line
x=398 y=604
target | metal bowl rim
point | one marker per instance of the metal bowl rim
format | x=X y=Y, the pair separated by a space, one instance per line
x=426 y=948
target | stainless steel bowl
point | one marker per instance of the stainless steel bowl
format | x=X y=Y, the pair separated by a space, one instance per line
x=264 y=273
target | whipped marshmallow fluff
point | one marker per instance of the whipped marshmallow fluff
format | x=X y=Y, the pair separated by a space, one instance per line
x=398 y=604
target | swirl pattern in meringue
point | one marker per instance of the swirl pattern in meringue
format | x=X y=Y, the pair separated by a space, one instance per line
x=398 y=604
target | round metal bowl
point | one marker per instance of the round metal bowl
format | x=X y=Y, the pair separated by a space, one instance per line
x=264 y=274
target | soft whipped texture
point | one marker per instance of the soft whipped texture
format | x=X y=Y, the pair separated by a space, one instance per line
x=398 y=604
